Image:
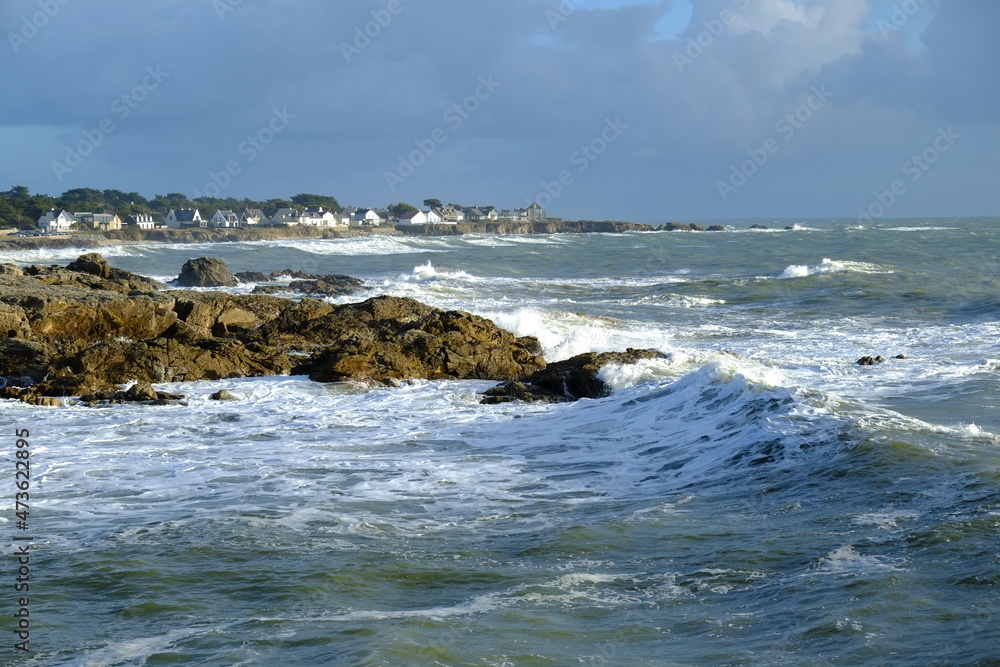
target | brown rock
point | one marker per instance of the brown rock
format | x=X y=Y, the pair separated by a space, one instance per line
x=389 y=338
x=91 y=263
x=568 y=380
x=222 y=395
x=20 y=357
x=206 y=272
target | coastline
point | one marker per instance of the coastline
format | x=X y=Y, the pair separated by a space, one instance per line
x=197 y=235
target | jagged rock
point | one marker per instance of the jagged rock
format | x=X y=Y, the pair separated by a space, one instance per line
x=91 y=272
x=82 y=332
x=206 y=272
x=329 y=285
x=390 y=338
x=253 y=277
x=141 y=391
x=167 y=360
x=222 y=395
x=13 y=321
x=20 y=357
x=519 y=391
x=8 y=269
x=716 y=228
x=758 y=226
x=697 y=228
x=676 y=227
x=224 y=314
x=91 y=263
x=567 y=380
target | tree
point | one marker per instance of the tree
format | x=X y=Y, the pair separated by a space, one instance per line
x=432 y=203
x=307 y=200
x=271 y=206
x=398 y=210
x=77 y=197
x=171 y=201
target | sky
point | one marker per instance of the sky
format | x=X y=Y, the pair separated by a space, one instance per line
x=597 y=109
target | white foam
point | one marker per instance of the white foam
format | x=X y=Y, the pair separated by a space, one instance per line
x=362 y=245
x=847 y=560
x=830 y=266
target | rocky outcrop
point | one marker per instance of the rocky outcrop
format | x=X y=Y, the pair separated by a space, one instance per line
x=386 y=339
x=206 y=272
x=676 y=227
x=328 y=285
x=80 y=333
x=567 y=380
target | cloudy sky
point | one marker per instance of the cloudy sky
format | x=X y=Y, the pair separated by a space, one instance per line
x=621 y=109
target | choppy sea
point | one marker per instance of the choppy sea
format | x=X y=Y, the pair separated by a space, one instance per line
x=755 y=498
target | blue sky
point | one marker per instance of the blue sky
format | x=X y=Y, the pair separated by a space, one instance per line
x=603 y=109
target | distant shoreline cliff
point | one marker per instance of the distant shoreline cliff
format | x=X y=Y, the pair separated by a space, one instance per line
x=197 y=235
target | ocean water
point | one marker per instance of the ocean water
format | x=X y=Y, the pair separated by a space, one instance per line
x=755 y=498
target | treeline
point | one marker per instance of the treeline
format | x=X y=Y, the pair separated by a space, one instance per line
x=19 y=208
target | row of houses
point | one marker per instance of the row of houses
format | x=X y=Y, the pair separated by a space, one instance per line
x=63 y=221
x=187 y=218
x=454 y=215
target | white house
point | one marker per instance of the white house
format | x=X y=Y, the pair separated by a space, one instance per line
x=433 y=217
x=367 y=216
x=185 y=218
x=287 y=217
x=140 y=220
x=225 y=219
x=412 y=218
x=56 y=221
x=319 y=217
x=252 y=217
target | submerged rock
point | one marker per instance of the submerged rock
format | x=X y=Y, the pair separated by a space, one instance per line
x=567 y=380
x=870 y=361
x=222 y=395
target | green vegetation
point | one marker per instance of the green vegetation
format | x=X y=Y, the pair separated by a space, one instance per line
x=398 y=210
x=21 y=209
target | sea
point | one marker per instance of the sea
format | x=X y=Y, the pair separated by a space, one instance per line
x=755 y=497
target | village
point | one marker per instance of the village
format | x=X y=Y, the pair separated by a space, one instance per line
x=62 y=222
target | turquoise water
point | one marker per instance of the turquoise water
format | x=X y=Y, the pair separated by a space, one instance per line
x=755 y=498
